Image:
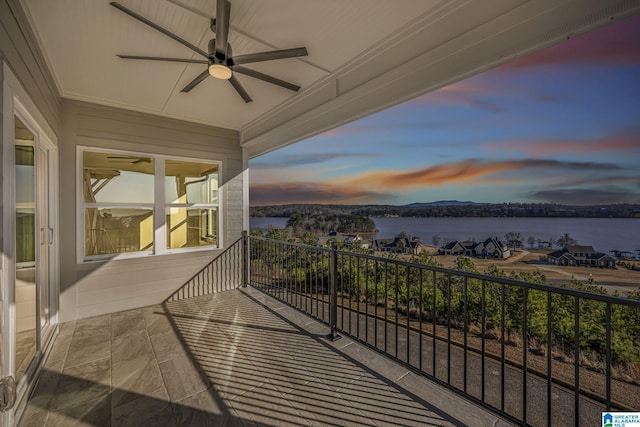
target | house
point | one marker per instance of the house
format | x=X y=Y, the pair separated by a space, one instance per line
x=489 y=248
x=584 y=256
x=492 y=248
x=345 y=239
x=141 y=166
x=543 y=244
x=400 y=244
x=516 y=243
x=458 y=247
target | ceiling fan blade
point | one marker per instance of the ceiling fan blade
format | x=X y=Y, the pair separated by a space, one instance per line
x=268 y=56
x=196 y=81
x=223 y=15
x=158 y=28
x=240 y=89
x=264 y=77
x=155 y=58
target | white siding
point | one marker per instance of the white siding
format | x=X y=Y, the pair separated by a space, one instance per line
x=93 y=288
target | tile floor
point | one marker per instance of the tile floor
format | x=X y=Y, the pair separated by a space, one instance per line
x=234 y=358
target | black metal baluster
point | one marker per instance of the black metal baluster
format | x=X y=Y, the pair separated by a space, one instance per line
x=408 y=312
x=359 y=291
x=483 y=331
x=433 y=318
x=449 y=328
x=465 y=327
x=576 y=359
x=375 y=304
x=549 y=361
x=420 y=282
x=608 y=355
x=502 y=349
x=366 y=300
x=386 y=303
x=397 y=283
x=525 y=349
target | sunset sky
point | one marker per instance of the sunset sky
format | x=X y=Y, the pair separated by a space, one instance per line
x=559 y=126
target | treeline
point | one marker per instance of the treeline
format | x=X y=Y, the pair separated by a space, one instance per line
x=542 y=210
x=321 y=224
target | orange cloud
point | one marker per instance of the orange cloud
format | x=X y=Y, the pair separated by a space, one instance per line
x=468 y=170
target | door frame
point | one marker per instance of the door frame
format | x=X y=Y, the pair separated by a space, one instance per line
x=16 y=102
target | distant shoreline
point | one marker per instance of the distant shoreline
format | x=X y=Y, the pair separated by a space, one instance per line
x=460 y=210
x=604 y=234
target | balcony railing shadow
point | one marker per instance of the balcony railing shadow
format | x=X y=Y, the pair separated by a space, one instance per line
x=233 y=358
x=276 y=371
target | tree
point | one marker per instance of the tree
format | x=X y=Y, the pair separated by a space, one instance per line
x=276 y=233
x=436 y=240
x=513 y=238
x=465 y=264
x=566 y=240
x=531 y=240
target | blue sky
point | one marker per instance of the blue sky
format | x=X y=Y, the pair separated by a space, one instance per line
x=559 y=126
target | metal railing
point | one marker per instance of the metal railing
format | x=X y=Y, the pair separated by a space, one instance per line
x=225 y=272
x=535 y=354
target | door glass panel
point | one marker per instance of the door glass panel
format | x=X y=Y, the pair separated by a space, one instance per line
x=25 y=286
x=45 y=236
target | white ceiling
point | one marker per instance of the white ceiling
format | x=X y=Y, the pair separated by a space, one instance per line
x=364 y=55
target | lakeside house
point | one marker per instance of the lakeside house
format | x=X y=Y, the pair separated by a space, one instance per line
x=344 y=238
x=581 y=256
x=402 y=244
x=543 y=244
x=625 y=255
x=489 y=248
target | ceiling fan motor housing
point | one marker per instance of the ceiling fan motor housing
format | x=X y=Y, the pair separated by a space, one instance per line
x=216 y=56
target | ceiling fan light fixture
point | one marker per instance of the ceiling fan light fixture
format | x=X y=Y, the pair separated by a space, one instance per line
x=220 y=71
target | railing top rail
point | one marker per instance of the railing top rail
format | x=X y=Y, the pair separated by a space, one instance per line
x=298 y=245
x=493 y=279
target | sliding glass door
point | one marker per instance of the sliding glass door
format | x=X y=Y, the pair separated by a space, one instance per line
x=33 y=250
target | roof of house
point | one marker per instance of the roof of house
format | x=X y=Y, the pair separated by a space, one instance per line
x=577 y=249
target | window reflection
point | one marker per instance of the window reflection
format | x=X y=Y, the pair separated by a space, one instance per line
x=127 y=181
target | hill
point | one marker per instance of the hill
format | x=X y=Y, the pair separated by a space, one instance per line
x=443 y=203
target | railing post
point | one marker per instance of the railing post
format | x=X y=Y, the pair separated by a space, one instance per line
x=246 y=259
x=333 y=292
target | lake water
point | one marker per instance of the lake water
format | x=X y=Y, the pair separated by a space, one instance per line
x=604 y=234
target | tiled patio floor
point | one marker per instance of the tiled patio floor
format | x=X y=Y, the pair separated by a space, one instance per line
x=233 y=358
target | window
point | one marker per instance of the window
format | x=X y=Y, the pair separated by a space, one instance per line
x=145 y=204
x=191 y=195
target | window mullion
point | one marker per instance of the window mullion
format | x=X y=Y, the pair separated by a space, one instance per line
x=160 y=218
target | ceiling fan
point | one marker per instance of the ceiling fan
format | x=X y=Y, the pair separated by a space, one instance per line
x=219 y=59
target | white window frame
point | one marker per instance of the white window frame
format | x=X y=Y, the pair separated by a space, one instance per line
x=158 y=206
